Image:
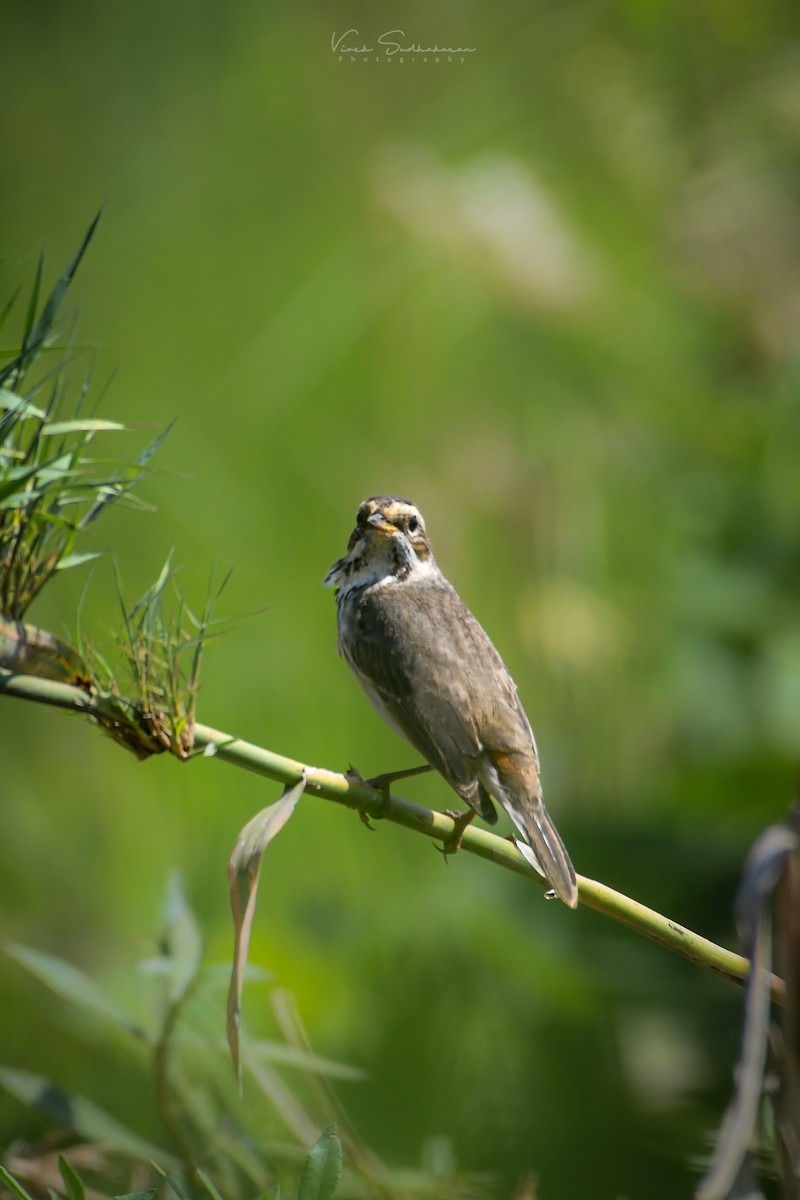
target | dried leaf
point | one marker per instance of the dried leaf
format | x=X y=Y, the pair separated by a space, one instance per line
x=765 y=865
x=243 y=872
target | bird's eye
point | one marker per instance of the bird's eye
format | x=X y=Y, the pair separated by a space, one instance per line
x=413 y=524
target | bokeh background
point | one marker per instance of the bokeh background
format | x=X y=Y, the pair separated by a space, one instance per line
x=552 y=294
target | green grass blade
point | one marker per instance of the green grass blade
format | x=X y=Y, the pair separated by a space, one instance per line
x=72 y=1180
x=9 y=305
x=208 y=1185
x=173 y=1183
x=119 y=487
x=13 y=1185
x=19 y=406
x=83 y=425
x=77 y=560
x=44 y=322
x=33 y=304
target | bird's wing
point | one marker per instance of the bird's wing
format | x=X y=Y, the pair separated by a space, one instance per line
x=424 y=716
x=407 y=675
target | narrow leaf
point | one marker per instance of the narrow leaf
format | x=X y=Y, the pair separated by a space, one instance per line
x=208 y=1185
x=173 y=1183
x=55 y=469
x=41 y=327
x=243 y=872
x=302 y=1060
x=78 y=1115
x=9 y=305
x=14 y=478
x=84 y=425
x=33 y=303
x=144 y=457
x=323 y=1168
x=119 y=487
x=77 y=560
x=297 y=1119
x=19 y=406
x=147 y=1194
x=67 y=981
x=72 y=1180
x=13 y=1185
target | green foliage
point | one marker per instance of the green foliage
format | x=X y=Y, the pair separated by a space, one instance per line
x=76 y=1115
x=323 y=1168
x=551 y=295
x=13 y=1184
x=163 y=646
x=72 y=1180
x=50 y=489
x=214 y=1141
x=320 y=1177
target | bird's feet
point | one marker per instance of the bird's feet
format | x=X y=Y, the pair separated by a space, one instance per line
x=383 y=784
x=460 y=821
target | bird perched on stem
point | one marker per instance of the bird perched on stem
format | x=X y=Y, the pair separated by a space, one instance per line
x=433 y=674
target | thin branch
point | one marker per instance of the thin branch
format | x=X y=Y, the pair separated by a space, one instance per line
x=167 y=1105
x=358 y=795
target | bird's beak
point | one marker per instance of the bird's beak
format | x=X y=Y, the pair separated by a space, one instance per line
x=380 y=524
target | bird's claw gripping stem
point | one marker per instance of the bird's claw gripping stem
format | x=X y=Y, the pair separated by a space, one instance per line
x=383 y=784
x=460 y=820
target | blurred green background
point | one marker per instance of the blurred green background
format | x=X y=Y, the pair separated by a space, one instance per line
x=552 y=294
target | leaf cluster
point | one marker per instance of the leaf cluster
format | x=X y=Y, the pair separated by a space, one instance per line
x=53 y=486
x=216 y=1143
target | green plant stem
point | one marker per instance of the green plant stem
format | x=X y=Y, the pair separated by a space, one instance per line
x=168 y=1109
x=369 y=802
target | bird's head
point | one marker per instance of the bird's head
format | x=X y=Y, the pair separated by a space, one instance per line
x=389 y=542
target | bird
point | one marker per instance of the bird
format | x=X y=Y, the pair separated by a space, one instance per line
x=435 y=677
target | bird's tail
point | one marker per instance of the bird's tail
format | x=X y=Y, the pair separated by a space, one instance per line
x=543 y=848
x=513 y=780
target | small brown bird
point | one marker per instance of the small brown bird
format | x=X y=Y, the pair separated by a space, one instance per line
x=433 y=674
